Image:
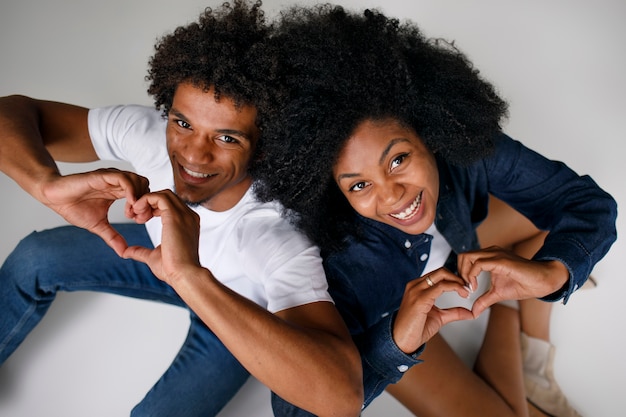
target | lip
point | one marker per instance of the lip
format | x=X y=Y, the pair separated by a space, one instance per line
x=410 y=212
x=192 y=176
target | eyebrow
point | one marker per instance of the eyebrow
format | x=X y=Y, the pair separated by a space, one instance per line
x=342 y=176
x=176 y=113
x=390 y=145
x=382 y=158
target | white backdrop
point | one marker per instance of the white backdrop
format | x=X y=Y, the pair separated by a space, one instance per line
x=559 y=63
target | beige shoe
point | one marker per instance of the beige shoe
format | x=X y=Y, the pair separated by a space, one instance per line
x=534 y=411
x=543 y=391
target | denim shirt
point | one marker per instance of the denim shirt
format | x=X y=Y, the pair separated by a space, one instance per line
x=367 y=279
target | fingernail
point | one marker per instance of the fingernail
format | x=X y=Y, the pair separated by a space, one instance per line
x=469 y=290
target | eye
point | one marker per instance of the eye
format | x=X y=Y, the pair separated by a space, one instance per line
x=228 y=139
x=359 y=186
x=398 y=160
x=182 y=124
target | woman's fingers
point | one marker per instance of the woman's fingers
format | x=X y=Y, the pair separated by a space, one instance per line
x=418 y=319
x=442 y=275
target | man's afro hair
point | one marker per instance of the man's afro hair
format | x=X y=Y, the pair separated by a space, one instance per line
x=223 y=49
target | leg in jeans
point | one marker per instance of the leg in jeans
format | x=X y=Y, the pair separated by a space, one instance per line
x=202 y=379
x=68 y=259
x=73 y=259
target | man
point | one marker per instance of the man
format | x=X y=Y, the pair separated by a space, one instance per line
x=211 y=246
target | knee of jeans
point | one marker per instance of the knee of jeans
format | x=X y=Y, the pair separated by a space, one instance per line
x=32 y=255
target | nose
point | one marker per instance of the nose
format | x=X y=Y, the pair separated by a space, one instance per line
x=390 y=192
x=199 y=149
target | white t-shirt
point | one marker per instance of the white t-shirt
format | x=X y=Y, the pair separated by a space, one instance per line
x=250 y=248
x=439 y=250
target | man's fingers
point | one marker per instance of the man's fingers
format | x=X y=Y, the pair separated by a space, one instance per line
x=142 y=186
x=123 y=184
x=140 y=211
x=138 y=253
x=111 y=237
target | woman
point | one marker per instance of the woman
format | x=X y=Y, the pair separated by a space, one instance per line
x=385 y=147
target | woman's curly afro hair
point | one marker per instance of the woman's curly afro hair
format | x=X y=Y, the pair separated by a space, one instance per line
x=339 y=68
x=223 y=50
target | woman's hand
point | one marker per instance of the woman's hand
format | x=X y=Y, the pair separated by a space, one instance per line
x=418 y=319
x=512 y=277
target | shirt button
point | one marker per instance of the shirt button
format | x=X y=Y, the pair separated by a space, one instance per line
x=403 y=368
x=407 y=244
x=423 y=257
x=385 y=314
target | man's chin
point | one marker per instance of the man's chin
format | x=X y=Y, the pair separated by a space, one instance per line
x=194 y=203
x=190 y=201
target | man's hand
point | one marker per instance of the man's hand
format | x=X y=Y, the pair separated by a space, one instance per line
x=178 y=251
x=84 y=200
x=512 y=277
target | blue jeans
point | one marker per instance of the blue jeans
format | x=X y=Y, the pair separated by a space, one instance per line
x=203 y=377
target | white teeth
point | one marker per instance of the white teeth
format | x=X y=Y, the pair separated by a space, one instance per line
x=410 y=211
x=196 y=174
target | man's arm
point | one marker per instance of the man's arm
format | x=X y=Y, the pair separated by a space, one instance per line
x=35 y=133
x=304 y=354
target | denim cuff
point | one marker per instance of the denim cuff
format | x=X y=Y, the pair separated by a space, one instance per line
x=575 y=258
x=383 y=362
x=379 y=351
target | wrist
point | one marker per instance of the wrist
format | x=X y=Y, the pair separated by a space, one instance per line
x=558 y=276
x=406 y=344
x=189 y=277
x=43 y=186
